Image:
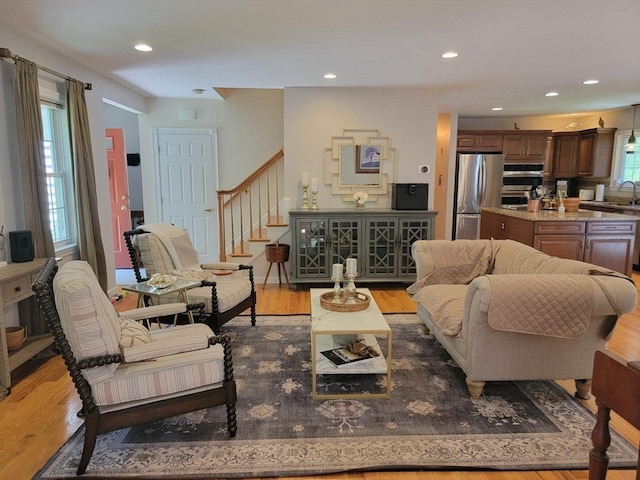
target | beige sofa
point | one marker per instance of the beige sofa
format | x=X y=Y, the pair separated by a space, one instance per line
x=505 y=311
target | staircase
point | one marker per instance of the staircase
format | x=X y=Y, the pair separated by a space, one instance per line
x=249 y=214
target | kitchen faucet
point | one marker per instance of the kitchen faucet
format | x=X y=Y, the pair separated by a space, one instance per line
x=634 y=199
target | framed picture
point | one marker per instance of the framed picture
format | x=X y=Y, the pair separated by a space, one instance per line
x=367 y=158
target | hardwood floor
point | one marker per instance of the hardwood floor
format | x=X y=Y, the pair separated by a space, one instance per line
x=40 y=414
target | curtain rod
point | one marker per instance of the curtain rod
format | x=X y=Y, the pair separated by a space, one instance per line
x=6 y=53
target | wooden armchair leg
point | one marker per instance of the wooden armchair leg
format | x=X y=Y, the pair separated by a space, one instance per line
x=90 y=436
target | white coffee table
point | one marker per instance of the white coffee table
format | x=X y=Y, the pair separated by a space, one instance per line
x=364 y=323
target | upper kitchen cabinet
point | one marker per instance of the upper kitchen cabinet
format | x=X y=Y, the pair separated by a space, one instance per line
x=595 y=152
x=565 y=154
x=587 y=153
x=479 y=141
x=525 y=147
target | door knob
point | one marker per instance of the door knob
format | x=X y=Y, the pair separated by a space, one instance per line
x=123 y=207
x=208 y=209
x=123 y=197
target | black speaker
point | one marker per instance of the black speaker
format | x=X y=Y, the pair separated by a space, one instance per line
x=410 y=196
x=21 y=246
x=133 y=159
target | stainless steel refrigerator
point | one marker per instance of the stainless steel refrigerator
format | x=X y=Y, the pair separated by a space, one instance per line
x=478 y=184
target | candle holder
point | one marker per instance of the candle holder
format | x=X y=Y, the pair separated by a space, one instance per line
x=314 y=206
x=337 y=291
x=305 y=197
x=350 y=288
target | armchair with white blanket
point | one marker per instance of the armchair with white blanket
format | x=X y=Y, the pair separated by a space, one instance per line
x=506 y=311
x=167 y=250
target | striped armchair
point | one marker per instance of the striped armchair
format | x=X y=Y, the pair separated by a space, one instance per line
x=107 y=357
x=166 y=249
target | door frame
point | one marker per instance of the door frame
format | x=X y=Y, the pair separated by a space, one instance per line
x=213 y=134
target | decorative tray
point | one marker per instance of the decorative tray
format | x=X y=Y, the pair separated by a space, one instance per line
x=161 y=281
x=361 y=301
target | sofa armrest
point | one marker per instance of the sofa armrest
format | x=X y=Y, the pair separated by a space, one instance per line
x=612 y=295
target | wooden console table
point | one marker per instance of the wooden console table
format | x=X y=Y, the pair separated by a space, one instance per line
x=616 y=386
x=15 y=286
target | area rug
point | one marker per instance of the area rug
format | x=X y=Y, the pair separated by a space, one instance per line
x=429 y=423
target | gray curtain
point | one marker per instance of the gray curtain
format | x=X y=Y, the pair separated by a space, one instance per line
x=34 y=187
x=90 y=247
x=31 y=141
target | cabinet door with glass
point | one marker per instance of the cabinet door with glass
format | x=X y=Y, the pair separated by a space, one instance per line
x=410 y=230
x=311 y=253
x=382 y=244
x=345 y=240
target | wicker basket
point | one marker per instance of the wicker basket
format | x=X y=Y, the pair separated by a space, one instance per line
x=571 y=204
x=277 y=252
x=16 y=336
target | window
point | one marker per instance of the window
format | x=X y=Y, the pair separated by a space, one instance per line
x=58 y=169
x=626 y=166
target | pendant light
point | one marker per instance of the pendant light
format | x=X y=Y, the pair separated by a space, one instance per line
x=631 y=144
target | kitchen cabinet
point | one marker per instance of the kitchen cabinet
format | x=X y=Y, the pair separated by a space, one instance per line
x=587 y=153
x=379 y=239
x=595 y=152
x=565 y=154
x=479 y=142
x=603 y=239
x=525 y=147
x=518 y=146
x=15 y=287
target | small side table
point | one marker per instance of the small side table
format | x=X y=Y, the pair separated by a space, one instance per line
x=616 y=386
x=179 y=287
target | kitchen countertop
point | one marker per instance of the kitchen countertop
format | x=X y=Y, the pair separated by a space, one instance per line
x=552 y=215
x=611 y=206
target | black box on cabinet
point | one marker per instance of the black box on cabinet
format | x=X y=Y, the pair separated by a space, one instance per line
x=21 y=246
x=410 y=196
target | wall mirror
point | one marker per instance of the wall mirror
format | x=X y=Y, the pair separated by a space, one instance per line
x=360 y=160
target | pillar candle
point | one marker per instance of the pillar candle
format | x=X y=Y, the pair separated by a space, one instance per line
x=305 y=179
x=337 y=271
x=314 y=184
x=351 y=266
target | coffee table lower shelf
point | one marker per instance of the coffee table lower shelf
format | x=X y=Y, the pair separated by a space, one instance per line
x=374 y=367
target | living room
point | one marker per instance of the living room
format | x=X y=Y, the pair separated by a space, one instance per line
x=253 y=123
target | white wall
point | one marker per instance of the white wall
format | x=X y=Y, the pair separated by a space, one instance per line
x=312 y=116
x=620 y=119
x=250 y=130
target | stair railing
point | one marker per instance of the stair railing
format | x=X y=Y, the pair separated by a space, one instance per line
x=245 y=211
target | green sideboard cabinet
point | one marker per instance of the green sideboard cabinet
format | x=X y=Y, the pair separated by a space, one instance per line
x=380 y=239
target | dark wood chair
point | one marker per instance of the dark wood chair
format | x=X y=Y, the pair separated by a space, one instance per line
x=225 y=296
x=80 y=309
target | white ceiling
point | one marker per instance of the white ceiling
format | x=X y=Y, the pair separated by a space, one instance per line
x=511 y=51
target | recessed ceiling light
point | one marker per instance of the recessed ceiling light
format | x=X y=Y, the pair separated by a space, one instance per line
x=590 y=82
x=449 y=55
x=329 y=76
x=551 y=94
x=143 y=47
x=497 y=109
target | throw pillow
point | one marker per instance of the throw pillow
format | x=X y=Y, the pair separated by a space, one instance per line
x=133 y=334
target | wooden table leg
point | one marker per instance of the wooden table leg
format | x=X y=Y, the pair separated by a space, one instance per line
x=267 y=275
x=601 y=439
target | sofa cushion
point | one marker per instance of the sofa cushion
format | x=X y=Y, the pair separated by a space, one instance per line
x=445 y=303
x=132 y=334
x=88 y=318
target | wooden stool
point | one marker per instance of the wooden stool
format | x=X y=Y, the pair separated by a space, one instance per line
x=277 y=253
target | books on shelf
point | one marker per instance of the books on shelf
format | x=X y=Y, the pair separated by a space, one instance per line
x=341 y=357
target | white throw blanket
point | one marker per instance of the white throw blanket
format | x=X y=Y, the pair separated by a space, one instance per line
x=178 y=244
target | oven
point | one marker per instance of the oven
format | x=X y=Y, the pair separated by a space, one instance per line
x=518 y=178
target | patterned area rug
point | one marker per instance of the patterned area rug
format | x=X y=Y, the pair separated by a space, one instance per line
x=429 y=423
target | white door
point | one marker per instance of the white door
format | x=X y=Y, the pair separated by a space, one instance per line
x=188 y=184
